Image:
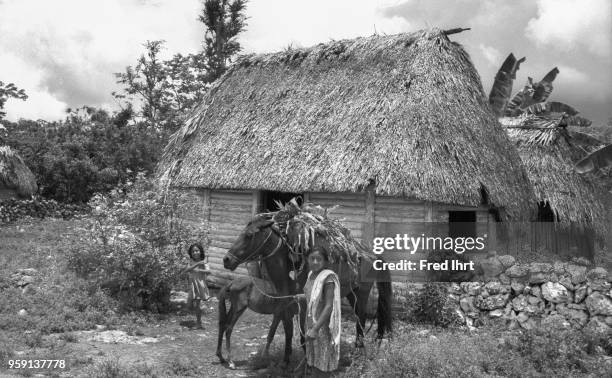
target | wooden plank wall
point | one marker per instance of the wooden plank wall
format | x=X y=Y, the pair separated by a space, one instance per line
x=393 y=210
x=229 y=213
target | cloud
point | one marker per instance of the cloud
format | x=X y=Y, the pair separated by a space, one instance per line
x=40 y=103
x=569 y=24
x=73 y=47
x=572 y=75
x=274 y=25
x=491 y=54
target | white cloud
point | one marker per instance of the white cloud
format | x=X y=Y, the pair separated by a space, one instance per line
x=72 y=47
x=274 y=25
x=571 y=75
x=40 y=103
x=491 y=54
x=567 y=24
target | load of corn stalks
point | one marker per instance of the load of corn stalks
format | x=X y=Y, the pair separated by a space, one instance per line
x=302 y=225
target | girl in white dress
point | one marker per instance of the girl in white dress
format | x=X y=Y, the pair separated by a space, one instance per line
x=197 y=272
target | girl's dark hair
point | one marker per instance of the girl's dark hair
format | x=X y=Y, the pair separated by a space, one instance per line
x=200 y=249
x=322 y=251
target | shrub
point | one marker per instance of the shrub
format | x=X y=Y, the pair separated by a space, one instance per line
x=433 y=306
x=134 y=246
x=550 y=350
x=447 y=355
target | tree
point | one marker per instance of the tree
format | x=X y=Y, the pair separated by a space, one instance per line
x=167 y=89
x=223 y=21
x=7 y=91
x=149 y=81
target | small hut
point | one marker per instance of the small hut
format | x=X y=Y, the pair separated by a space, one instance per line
x=390 y=129
x=572 y=200
x=16 y=179
x=570 y=206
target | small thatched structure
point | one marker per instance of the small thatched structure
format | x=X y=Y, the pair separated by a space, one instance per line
x=572 y=197
x=392 y=129
x=16 y=179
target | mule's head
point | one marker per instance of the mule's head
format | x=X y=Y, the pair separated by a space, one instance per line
x=250 y=242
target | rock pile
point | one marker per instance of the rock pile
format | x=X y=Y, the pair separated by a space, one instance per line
x=559 y=295
x=15 y=209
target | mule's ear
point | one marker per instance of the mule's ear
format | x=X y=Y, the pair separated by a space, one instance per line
x=267 y=223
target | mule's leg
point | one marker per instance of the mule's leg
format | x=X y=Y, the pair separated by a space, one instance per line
x=361 y=307
x=352 y=298
x=224 y=316
x=288 y=326
x=271 y=334
x=228 y=332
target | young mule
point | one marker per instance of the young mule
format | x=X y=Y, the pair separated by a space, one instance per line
x=258 y=294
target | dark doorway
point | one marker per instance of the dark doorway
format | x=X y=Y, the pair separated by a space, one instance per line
x=545 y=213
x=462 y=224
x=269 y=199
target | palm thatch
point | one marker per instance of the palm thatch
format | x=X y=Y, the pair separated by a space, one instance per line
x=406 y=111
x=14 y=174
x=549 y=143
x=573 y=197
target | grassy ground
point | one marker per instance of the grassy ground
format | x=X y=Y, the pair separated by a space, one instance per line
x=63 y=311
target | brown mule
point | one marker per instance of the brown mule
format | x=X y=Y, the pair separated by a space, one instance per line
x=258 y=294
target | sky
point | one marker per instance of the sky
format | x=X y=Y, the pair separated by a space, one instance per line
x=64 y=52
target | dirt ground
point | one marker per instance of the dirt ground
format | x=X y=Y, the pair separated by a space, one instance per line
x=174 y=347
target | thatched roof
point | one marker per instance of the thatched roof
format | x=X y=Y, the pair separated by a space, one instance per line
x=574 y=198
x=14 y=174
x=406 y=111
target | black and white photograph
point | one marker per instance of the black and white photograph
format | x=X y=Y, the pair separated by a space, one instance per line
x=341 y=188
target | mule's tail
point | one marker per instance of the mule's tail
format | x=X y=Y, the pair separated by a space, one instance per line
x=383 y=311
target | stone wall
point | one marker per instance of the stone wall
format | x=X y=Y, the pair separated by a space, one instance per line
x=559 y=295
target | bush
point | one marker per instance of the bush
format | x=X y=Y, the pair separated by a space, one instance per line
x=550 y=350
x=86 y=153
x=446 y=355
x=433 y=306
x=135 y=244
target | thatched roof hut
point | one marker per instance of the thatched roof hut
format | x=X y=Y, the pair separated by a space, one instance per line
x=572 y=197
x=16 y=179
x=407 y=111
x=389 y=128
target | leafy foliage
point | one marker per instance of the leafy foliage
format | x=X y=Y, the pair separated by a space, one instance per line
x=433 y=306
x=166 y=89
x=7 y=91
x=149 y=81
x=223 y=20
x=91 y=151
x=136 y=243
x=551 y=351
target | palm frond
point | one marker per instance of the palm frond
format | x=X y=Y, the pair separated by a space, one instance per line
x=543 y=89
x=551 y=107
x=596 y=160
x=502 y=86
